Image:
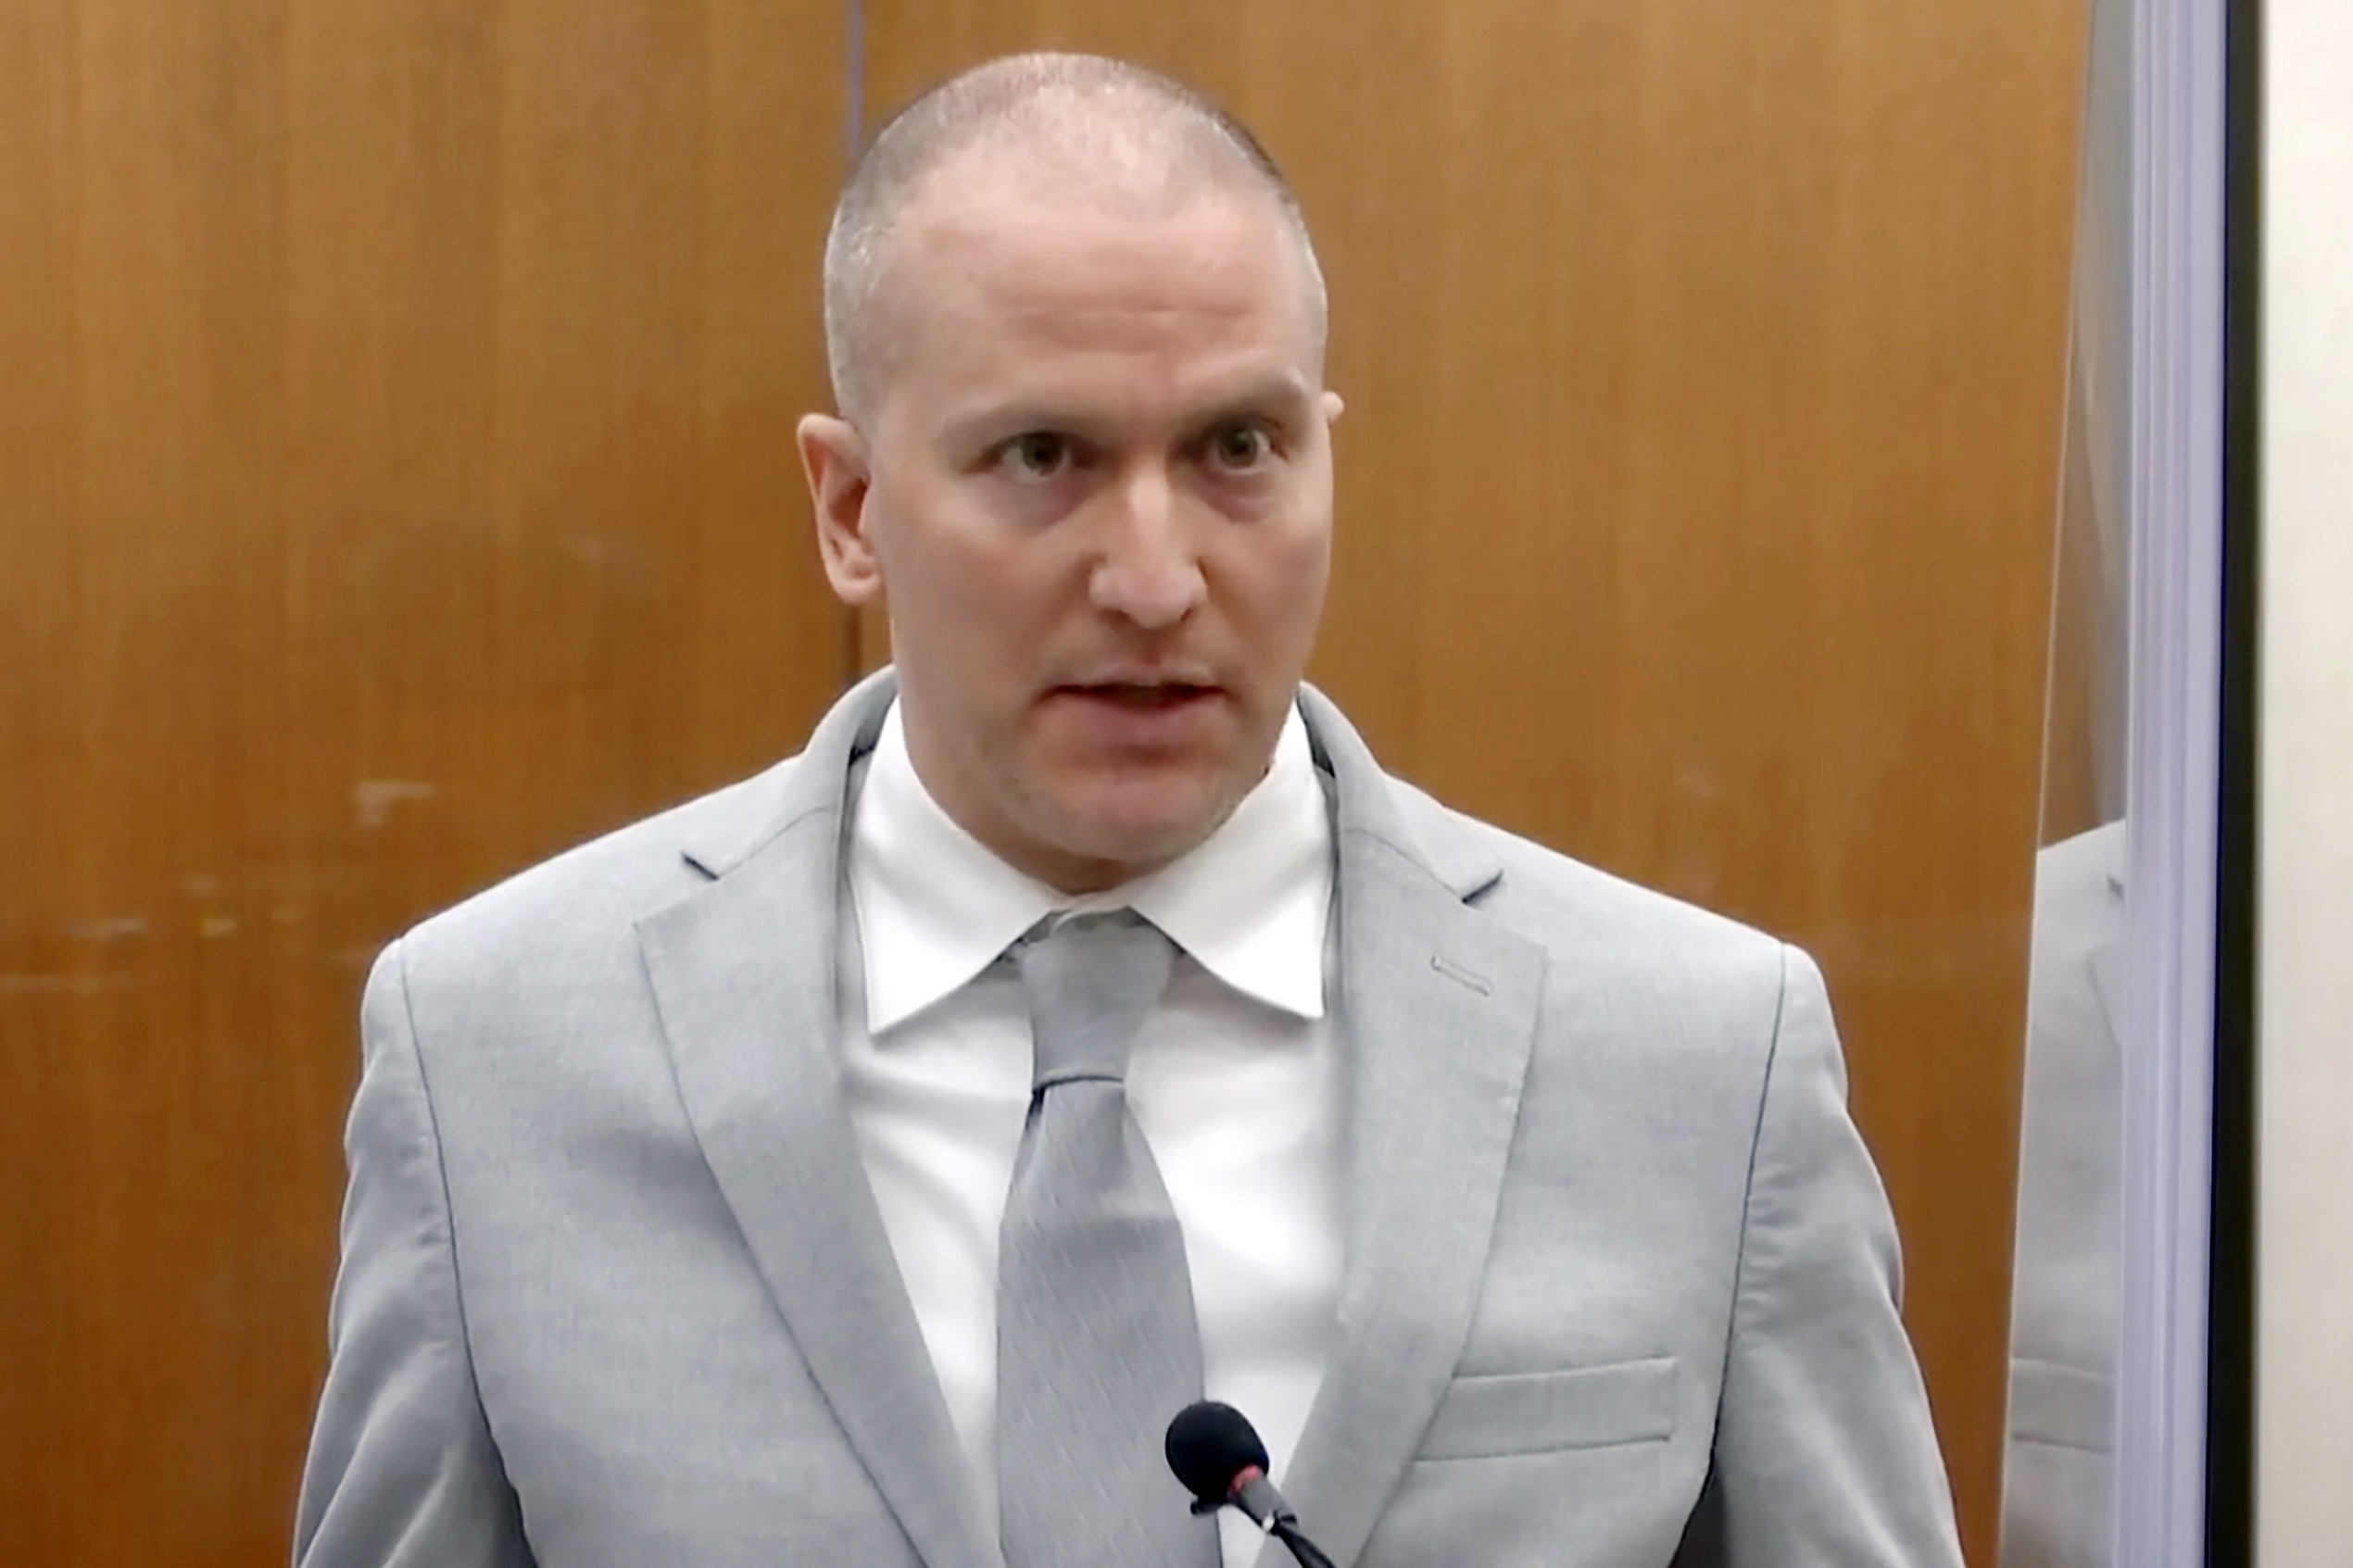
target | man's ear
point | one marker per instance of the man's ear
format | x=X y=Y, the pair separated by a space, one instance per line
x=834 y=457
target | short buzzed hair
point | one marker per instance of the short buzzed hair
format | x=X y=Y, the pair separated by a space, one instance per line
x=1161 y=135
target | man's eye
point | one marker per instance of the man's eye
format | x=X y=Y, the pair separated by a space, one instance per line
x=1240 y=448
x=1038 y=454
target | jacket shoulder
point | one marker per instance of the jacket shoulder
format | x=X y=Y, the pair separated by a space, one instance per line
x=596 y=892
x=1577 y=910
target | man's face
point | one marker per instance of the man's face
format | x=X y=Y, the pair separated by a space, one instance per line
x=1096 y=492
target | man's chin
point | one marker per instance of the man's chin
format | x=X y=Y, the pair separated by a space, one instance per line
x=1140 y=847
x=1138 y=840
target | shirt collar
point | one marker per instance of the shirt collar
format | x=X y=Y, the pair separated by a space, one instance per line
x=935 y=907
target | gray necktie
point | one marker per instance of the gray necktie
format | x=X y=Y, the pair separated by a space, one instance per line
x=1096 y=1342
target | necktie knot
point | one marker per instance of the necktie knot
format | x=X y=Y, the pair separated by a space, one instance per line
x=1091 y=981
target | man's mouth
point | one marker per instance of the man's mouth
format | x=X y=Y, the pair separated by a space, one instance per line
x=1144 y=695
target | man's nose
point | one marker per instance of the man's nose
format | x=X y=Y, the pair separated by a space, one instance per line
x=1149 y=572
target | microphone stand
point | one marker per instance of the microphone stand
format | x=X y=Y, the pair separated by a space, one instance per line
x=1302 y=1550
x=1277 y=1521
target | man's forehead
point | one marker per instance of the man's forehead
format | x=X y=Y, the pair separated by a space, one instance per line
x=1056 y=265
x=990 y=400
x=1001 y=272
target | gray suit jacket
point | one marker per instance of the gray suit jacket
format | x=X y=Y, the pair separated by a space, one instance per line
x=2058 y=1477
x=1620 y=1278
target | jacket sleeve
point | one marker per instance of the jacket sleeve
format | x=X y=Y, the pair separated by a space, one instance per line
x=402 y=1472
x=1825 y=1453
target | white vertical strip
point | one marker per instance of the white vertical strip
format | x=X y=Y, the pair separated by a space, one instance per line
x=2304 y=1339
x=2176 y=508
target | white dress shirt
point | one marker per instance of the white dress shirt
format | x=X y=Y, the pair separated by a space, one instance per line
x=1234 y=1083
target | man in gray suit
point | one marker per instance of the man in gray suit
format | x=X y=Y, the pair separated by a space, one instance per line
x=860 y=1165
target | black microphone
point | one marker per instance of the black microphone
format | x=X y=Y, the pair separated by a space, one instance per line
x=1216 y=1453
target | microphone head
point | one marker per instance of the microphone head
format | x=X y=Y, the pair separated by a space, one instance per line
x=1209 y=1447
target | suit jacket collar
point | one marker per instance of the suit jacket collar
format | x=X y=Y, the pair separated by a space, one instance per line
x=1437 y=1012
x=1457 y=854
x=814 y=784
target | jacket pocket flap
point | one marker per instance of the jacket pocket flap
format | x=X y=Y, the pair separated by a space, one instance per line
x=2066 y=1407
x=1539 y=1412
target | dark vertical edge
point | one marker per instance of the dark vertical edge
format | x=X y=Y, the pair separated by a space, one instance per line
x=2230 y=1421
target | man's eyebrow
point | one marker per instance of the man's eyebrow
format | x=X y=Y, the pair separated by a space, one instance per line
x=1285 y=392
x=1288 y=392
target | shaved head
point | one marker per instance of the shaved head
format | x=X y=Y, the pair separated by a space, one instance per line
x=1069 y=128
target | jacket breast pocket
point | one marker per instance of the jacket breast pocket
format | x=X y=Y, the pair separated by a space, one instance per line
x=1533 y=1413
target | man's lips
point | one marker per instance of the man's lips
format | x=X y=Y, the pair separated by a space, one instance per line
x=1141 y=693
x=1145 y=716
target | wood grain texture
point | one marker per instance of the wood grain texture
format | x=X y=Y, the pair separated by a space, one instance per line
x=395 y=485
x=1704 y=365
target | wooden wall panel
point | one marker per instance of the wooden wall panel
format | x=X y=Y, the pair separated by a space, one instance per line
x=1705 y=365
x=397 y=484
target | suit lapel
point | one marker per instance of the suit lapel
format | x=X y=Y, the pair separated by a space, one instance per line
x=744 y=975
x=1438 y=1011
